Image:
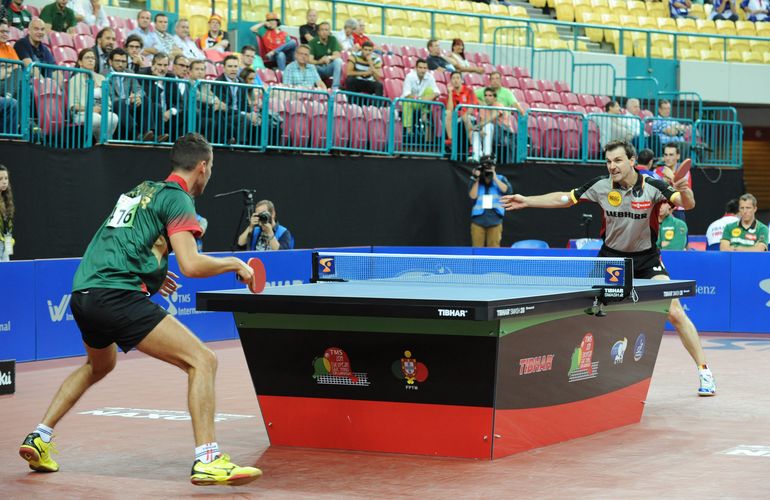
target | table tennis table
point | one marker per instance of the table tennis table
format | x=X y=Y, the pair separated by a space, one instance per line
x=462 y=356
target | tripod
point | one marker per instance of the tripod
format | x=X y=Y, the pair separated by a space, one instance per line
x=248 y=208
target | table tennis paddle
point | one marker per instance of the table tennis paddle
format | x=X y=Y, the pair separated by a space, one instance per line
x=257 y=283
x=683 y=169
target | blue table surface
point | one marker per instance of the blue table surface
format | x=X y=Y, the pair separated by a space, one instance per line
x=420 y=291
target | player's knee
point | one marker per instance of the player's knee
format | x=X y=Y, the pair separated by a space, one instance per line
x=206 y=360
x=101 y=369
x=676 y=314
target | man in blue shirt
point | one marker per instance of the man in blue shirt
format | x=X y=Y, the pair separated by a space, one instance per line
x=31 y=49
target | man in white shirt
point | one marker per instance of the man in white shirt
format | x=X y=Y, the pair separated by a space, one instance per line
x=716 y=228
x=345 y=36
x=92 y=13
x=419 y=84
x=183 y=41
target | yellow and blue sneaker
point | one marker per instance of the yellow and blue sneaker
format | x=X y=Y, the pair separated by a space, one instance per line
x=222 y=471
x=38 y=453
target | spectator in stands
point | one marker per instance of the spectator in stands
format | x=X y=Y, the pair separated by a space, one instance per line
x=31 y=48
x=672 y=233
x=359 y=36
x=250 y=58
x=309 y=30
x=184 y=43
x=457 y=56
x=486 y=188
x=723 y=10
x=325 y=55
x=666 y=130
x=105 y=42
x=78 y=97
x=241 y=122
x=756 y=10
x=302 y=74
x=746 y=234
x=612 y=128
x=92 y=13
x=249 y=77
x=437 y=61
x=365 y=71
x=9 y=115
x=680 y=8
x=7 y=213
x=134 y=46
x=345 y=37
x=671 y=157
x=215 y=38
x=58 y=17
x=165 y=41
x=504 y=96
x=264 y=232
x=209 y=106
x=716 y=228
x=145 y=33
x=10 y=74
x=645 y=163
x=490 y=126
x=161 y=117
x=254 y=77
x=177 y=93
x=459 y=94
x=125 y=96
x=18 y=16
x=419 y=84
x=280 y=47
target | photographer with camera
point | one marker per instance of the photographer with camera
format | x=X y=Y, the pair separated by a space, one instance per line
x=486 y=187
x=264 y=232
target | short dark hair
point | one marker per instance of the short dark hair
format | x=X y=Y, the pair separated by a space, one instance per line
x=620 y=143
x=662 y=102
x=229 y=58
x=248 y=47
x=159 y=55
x=610 y=105
x=4 y=21
x=269 y=204
x=160 y=14
x=430 y=42
x=178 y=57
x=245 y=72
x=134 y=38
x=188 y=151
x=102 y=31
x=196 y=62
x=326 y=23
x=672 y=145
x=645 y=156
x=117 y=52
x=495 y=73
x=420 y=61
x=453 y=73
x=490 y=89
x=367 y=43
x=732 y=206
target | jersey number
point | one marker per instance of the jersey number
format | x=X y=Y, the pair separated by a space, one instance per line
x=124 y=212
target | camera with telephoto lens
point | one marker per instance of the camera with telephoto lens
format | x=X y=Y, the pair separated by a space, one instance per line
x=265 y=217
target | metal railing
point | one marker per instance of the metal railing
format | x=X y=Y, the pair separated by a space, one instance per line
x=229 y=114
x=722 y=143
x=13 y=95
x=601 y=128
x=417 y=127
x=485 y=130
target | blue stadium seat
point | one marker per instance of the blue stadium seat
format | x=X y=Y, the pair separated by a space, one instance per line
x=530 y=244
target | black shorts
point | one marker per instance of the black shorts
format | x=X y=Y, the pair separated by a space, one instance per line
x=646 y=264
x=106 y=315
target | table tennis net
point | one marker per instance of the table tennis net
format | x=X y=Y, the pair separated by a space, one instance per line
x=471 y=270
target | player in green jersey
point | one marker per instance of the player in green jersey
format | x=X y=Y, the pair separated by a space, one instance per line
x=125 y=263
x=747 y=234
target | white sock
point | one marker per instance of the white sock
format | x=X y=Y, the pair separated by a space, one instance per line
x=45 y=432
x=207 y=452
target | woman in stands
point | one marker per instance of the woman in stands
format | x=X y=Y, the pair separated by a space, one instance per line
x=7 y=211
x=458 y=58
x=249 y=76
x=77 y=97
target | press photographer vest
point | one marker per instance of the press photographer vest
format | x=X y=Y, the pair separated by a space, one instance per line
x=279 y=231
x=495 y=192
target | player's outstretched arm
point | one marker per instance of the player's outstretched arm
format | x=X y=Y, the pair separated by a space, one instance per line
x=195 y=265
x=686 y=196
x=557 y=199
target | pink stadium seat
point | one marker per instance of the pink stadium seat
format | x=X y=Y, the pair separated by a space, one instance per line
x=441 y=77
x=377 y=127
x=392 y=60
x=594 y=109
x=527 y=84
x=593 y=140
x=409 y=62
x=586 y=100
x=561 y=86
x=474 y=79
x=116 y=22
x=569 y=98
x=510 y=82
x=50 y=105
x=533 y=96
x=64 y=54
x=601 y=100
x=559 y=107
x=278 y=75
x=388 y=48
x=442 y=90
x=545 y=86
x=130 y=24
x=82 y=28
x=317 y=118
x=505 y=70
x=552 y=97
x=83 y=42
x=408 y=51
x=341 y=126
x=571 y=136
x=520 y=72
x=482 y=58
x=488 y=68
x=60 y=40
x=393 y=88
x=422 y=53
x=15 y=34
x=550 y=135
x=33 y=10
x=296 y=130
x=576 y=107
x=267 y=75
x=390 y=72
x=211 y=71
x=519 y=95
x=358 y=132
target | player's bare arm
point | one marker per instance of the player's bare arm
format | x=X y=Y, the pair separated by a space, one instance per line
x=686 y=198
x=558 y=199
x=195 y=265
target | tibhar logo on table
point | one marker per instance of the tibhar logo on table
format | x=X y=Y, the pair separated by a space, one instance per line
x=453 y=313
x=411 y=370
x=582 y=368
x=333 y=368
x=59 y=312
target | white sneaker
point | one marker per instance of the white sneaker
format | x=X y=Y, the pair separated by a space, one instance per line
x=707 y=385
